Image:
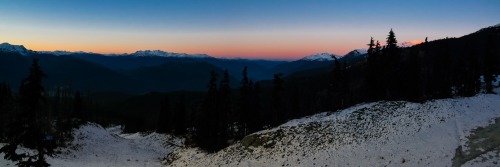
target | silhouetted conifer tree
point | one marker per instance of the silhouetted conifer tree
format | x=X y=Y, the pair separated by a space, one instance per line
x=6 y=108
x=248 y=112
x=391 y=68
x=244 y=109
x=165 y=117
x=392 y=43
x=335 y=83
x=224 y=108
x=255 y=117
x=371 y=47
x=31 y=127
x=374 y=75
x=378 y=49
x=295 y=104
x=78 y=107
x=490 y=65
x=206 y=126
x=64 y=112
x=180 y=118
x=277 y=103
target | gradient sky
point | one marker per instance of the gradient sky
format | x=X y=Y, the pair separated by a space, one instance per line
x=272 y=29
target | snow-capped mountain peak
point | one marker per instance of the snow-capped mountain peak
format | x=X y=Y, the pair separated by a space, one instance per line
x=323 y=56
x=6 y=47
x=160 y=53
x=356 y=52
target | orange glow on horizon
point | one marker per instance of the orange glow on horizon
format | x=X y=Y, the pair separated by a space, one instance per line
x=415 y=42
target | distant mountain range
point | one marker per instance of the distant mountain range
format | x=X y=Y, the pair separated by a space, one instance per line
x=143 y=53
x=144 y=71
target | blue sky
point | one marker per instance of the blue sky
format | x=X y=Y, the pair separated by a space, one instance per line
x=258 y=28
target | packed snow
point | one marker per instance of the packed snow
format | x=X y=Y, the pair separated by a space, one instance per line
x=374 y=134
x=95 y=146
x=323 y=56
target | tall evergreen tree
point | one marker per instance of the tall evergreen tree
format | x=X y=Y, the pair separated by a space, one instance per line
x=335 y=84
x=165 y=117
x=31 y=127
x=180 y=118
x=490 y=65
x=391 y=76
x=374 y=73
x=295 y=104
x=255 y=123
x=378 y=49
x=371 y=47
x=244 y=104
x=206 y=126
x=224 y=111
x=64 y=112
x=441 y=77
x=277 y=103
x=392 y=43
x=78 y=107
x=6 y=108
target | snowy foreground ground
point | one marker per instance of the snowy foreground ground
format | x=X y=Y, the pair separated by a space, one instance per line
x=95 y=146
x=435 y=133
x=374 y=134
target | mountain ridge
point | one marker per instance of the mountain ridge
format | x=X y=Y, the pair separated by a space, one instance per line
x=7 y=47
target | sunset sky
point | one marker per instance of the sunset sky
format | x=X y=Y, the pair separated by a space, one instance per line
x=272 y=29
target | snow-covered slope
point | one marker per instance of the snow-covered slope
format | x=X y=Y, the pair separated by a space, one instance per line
x=374 y=134
x=160 y=53
x=323 y=56
x=6 y=47
x=95 y=146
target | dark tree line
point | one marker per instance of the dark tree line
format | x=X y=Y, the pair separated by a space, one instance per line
x=27 y=120
x=223 y=116
x=172 y=117
x=221 y=120
x=426 y=71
